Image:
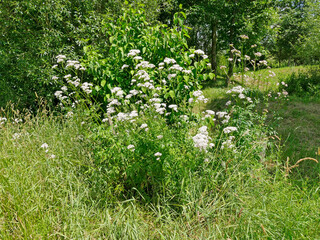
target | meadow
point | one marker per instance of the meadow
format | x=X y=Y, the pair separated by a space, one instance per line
x=133 y=135
x=46 y=191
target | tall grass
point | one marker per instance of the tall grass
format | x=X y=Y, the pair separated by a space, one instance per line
x=46 y=197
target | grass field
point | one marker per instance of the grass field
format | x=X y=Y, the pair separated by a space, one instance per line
x=44 y=193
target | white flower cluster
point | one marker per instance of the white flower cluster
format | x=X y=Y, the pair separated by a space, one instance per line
x=176 y=67
x=131 y=147
x=209 y=114
x=60 y=58
x=45 y=146
x=229 y=130
x=228 y=143
x=133 y=52
x=3 y=120
x=199 y=96
x=224 y=116
x=238 y=91
x=199 y=52
x=86 y=87
x=145 y=64
x=169 y=60
x=201 y=140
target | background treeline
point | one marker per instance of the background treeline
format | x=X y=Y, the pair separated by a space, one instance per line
x=33 y=32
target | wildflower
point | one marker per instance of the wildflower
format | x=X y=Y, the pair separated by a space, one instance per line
x=241 y=96
x=176 y=67
x=16 y=135
x=171 y=76
x=69 y=114
x=133 y=52
x=158 y=154
x=58 y=94
x=137 y=58
x=210 y=112
x=197 y=93
x=205 y=57
x=124 y=66
x=244 y=37
x=173 y=107
x=64 y=88
x=160 y=136
x=190 y=100
x=169 y=60
x=120 y=93
x=61 y=58
x=2 y=120
x=45 y=146
x=201 y=140
x=52 y=156
x=221 y=114
x=131 y=147
x=237 y=89
x=230 y=59
x=144 y=126
x=122 y=116
x=55 y=78
x=187 y=71
x=191 y=56
x=134 y=92
x=184 y=117
x=54 y=66
x=229 y=129
x=228 y=103
x=199 y=51
x=226 y=119
x=86 y=87
x=258 y=54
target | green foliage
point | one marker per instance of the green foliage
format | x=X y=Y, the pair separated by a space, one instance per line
x=304 y=83
x=132 y=35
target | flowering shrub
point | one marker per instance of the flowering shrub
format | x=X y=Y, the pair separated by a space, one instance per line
x=148 y=140
x=148 y=55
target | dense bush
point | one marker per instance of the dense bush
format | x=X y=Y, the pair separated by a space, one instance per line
x=304 y=83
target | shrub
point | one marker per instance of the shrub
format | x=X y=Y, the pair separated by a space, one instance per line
x=306 y=83
x=130 y=41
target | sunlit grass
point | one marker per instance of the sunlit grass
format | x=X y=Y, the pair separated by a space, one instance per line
x=42 y=196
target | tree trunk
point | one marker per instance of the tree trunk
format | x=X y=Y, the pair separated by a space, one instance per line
x=214 y=49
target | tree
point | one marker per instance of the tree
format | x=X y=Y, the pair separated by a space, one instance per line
x=218 y=23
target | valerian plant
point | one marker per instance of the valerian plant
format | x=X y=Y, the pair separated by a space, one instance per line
x=152 y=42
x=148 y=141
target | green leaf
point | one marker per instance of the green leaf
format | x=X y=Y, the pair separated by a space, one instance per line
x=186 y=78
x=211 y=75
x=172 y=95
x=103 y=82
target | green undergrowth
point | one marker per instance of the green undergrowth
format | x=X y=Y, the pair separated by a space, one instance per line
x=45 y=192
x=297 y=121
